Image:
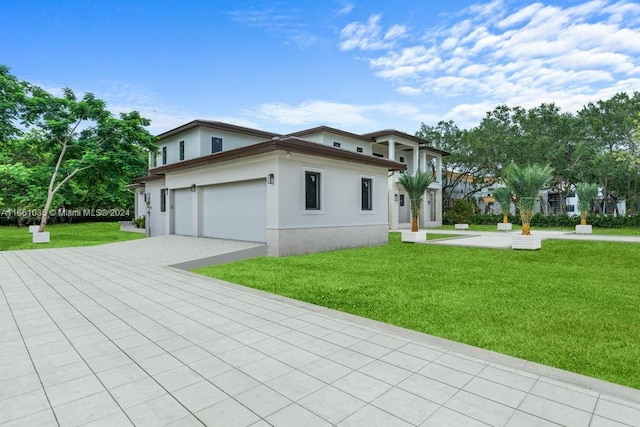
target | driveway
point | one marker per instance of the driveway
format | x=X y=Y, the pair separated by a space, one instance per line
x=90 y=336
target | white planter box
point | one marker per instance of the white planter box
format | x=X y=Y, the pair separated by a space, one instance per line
x=461 y=226
x=34 y=228
x=502 y=226
x=583 y=229
x=414 y=236
x=530 y=243
x=41 y=237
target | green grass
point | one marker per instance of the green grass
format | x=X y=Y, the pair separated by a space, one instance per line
x=573 y=305
x=65 y=235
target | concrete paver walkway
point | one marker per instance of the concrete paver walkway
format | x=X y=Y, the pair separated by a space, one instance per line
x=502 y=240
x=90 y=338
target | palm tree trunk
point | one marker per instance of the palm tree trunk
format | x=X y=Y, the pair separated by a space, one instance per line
x=414 y=223
x=505 y=219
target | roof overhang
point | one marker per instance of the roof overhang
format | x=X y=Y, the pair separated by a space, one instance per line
x=218 y=126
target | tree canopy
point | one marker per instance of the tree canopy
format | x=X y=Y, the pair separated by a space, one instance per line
x=600 y=144
x=66 y=151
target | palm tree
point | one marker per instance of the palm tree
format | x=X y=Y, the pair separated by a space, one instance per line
x=415 y=186
x=586 y=192
x=526 y=183
x=503 y=197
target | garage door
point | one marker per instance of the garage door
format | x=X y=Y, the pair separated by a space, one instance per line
x=236 y=211
x=183 y=212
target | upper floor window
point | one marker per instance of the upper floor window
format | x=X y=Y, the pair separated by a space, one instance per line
x=378 y=155
x=163 y=200
x=366 y=194
x=360 y=149
x=164 y=155
x=401 y=158
x=312 y=190
x=337 y=144
x=181 y=150
x=216 y=144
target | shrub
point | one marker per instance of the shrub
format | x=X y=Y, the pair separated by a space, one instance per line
x=461 y=211
x=140 y=222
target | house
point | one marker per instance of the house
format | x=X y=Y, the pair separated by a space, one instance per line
x=314 y=190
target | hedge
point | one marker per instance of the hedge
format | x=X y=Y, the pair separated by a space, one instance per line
x=562 y=220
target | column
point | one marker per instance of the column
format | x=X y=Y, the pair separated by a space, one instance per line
x=415 y=160
x=423 y=161
x=392 y=149
x=439 y=170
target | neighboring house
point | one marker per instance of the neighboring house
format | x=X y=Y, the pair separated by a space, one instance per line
x=314 y=190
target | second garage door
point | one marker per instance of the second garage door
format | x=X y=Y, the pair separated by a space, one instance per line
x=236 y=211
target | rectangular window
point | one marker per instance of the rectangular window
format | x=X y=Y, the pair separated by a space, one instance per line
x=401 y=158
x=163 y=200
x=181 y=150
x=312 y=190
x=366 y=194
x=164 y=155
x=378 y=155
x=336 y=144
x=359 y=149
x=402 y=200
x=216 y=145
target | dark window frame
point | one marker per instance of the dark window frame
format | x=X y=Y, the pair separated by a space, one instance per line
x=164 y=155
x=163 y=199
x=359 y=150
x=366 y=194
x=216 y=144
x=312 y=190
x=337 y=144
x=181 y=150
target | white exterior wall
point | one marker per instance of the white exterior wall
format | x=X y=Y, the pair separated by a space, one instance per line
x=230 y=140
x=157 y=222
x=346 y=143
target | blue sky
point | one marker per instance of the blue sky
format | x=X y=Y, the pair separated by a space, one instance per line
x=360 y=65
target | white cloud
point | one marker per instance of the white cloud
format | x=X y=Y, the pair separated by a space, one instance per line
x=370 y=35
x=494 y=52
x=346 y=9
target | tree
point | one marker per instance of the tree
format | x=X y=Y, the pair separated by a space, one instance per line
x=62 y=138
x=415 y=186
x=526 y=183
x=586 y=192
x=503 y=197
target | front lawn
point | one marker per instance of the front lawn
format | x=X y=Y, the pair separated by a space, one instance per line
x=573 y=305
x=65 y=235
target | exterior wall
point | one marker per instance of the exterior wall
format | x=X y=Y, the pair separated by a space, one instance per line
x=156 y=220
x=346 y=143
x=230 y=140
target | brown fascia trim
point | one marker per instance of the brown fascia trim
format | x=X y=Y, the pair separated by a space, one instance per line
x=423 y=142
x=330 y=130
x=147 y=178
x=218 y=126
x=291 y=144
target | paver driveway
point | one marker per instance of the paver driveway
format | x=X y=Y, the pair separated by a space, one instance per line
x=87 y=338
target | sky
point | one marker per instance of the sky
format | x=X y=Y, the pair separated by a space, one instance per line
x=361 y=66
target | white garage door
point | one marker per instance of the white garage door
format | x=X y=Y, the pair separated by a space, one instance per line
x=183 y=212
x=236 y=211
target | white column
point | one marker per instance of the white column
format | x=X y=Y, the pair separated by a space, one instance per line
x=415 y=160
x=439 y=170
x=423 y=161
x=392 y=149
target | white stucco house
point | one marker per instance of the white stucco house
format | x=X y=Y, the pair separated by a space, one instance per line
x=314 y=190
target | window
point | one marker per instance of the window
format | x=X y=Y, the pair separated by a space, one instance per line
x=402 y=200
x=181 y=150
x=164 y=155
x=378 y=155
x=312 y=190
x=366 y=194
x=401 y=158
x=337 y=144
x=163 y=200
x=216 y=144
x=359 y=149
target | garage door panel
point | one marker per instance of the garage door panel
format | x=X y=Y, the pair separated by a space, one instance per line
x=183 y=212
x=235 y=211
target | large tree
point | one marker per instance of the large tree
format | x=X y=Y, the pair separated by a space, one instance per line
x=49 y=140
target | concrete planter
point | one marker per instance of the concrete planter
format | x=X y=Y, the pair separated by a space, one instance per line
x=529 y=243
x=502 y=226
x=41 y=237
x=461 y=226
x=583 y=229
x=414 y=236
x=34 y=228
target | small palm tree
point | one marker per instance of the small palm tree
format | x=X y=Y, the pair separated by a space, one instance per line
x=415 y=186
x=526 y=183
x=586 y=192
x=503 y=197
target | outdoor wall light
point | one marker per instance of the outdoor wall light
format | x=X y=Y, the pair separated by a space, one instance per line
x=395 y=197
x=271 y=178
x=193 y=188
